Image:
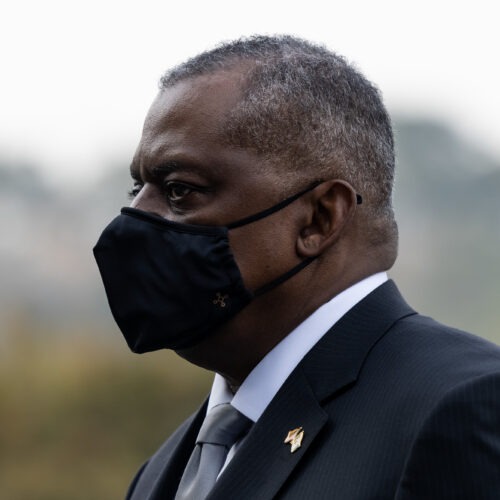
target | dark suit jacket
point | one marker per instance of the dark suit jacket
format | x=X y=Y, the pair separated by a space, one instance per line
x=393 y=406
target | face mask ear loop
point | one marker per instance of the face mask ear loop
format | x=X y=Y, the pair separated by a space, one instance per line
x=284 y=277
x=273 y=209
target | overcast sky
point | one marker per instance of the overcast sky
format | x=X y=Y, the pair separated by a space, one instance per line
x=77 y=77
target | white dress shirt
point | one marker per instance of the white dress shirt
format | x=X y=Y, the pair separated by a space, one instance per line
x=266 y=379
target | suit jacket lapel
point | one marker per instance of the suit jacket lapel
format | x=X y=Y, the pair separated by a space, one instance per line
x=264 y=462
x=160 y=479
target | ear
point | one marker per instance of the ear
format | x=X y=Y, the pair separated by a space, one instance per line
x=332 y=205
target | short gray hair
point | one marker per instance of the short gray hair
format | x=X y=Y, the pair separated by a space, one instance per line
x=307 y=109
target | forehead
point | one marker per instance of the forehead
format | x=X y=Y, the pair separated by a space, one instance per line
x=190 y=113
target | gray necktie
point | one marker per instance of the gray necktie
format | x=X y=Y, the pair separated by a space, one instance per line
x=222 y=427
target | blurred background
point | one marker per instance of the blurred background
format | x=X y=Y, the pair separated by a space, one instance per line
x=78 y=412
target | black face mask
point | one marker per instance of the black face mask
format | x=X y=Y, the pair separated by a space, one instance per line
x=170 y=285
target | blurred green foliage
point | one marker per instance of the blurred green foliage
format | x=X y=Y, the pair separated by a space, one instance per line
x=78 y=417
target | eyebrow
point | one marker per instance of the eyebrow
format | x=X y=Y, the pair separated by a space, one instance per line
x=166 y=168
x=134 y=170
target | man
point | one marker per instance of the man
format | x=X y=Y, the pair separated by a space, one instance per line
x=256 y=246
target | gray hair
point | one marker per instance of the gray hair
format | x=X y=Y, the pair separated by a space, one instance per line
x=307 y=109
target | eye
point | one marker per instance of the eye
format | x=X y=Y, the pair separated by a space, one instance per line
x=132 y=193
x=176 y=191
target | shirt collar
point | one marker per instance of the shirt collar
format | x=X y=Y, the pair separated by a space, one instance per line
x=265 y=380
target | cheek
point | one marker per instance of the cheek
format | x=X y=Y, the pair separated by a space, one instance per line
x=263 y=251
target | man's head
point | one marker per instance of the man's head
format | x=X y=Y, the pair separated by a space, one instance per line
x=312 y=115
x=236 y=130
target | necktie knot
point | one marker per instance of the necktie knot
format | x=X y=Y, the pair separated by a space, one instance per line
x=223 y=426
